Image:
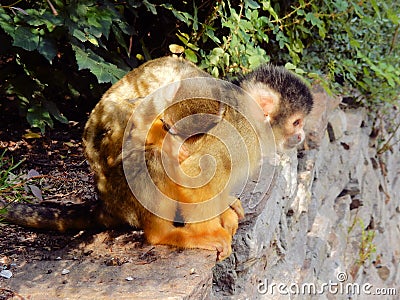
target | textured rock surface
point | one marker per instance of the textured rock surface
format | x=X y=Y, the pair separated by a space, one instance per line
x=131 y=272
x=338 y=224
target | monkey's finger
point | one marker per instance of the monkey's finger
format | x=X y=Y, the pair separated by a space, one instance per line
x=224 y=252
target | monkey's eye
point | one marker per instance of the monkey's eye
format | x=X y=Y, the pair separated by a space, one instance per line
x=166 y=126
x=296 y=123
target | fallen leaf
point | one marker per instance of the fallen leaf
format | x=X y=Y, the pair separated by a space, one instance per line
x=32 y=135
x=36 y=191
x=33 y=173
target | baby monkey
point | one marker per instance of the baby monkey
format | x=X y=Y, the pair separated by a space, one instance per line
x=284 y=100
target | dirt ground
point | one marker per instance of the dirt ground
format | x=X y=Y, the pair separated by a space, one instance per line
x=54 y=261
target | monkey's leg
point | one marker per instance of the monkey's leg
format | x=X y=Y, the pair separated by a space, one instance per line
x=208 y=235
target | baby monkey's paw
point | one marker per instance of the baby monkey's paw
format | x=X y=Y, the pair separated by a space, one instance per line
x=238 y=208
x=230 y=218
x=223 y=245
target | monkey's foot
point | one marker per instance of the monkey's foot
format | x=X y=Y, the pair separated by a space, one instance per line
x=206 y=235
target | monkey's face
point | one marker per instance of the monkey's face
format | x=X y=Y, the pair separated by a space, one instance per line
x=289 y=133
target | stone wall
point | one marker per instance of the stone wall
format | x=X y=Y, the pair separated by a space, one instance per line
x=333 y=216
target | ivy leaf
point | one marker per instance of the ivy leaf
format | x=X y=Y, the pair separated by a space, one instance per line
x=24 y=38
x=6 y=23
x=39 y=117
x=104 y=71
x=47 y=48
x=55 y=112
x=80 y=35
x=120 y=38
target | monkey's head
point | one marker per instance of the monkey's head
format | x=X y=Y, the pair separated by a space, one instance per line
x=285 y=99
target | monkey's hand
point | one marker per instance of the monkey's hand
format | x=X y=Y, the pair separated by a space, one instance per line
x=238 y=208
x=230 y=218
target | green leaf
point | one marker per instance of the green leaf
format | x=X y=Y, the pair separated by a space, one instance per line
x=195 y=18
x=81 y=9
x=191 y=55
x=120 y=38
x=47 y=48
x=151 y=7
x=290 y=66
x=43 y=17
x=55 y=112
x=267 y=6
x=183 y=37
x=24 y=38
x=392 y=16
x=218 y=51
x=183 y=16
x=251 y=4
x=376 y=8
x=341 y=5
x=6 y=23
x=210 y=33
x=80 y=35
x=38 y=116
x=93 y=40
x=215 y=72
x=311 y=17
x=104 y=71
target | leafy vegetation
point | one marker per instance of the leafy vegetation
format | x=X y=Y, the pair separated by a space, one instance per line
x=8 y=180
x=59 y=56
x=17 y=187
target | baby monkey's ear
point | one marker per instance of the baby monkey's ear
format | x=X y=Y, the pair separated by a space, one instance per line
x=267 y=98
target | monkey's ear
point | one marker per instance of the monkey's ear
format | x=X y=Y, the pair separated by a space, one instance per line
x=266 y=98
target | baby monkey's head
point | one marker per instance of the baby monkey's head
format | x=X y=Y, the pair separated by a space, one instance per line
x=285 y=99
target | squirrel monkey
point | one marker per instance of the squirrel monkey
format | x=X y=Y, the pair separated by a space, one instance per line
x=192 y=220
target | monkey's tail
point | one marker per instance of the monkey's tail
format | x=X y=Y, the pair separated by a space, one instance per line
x=55 y=217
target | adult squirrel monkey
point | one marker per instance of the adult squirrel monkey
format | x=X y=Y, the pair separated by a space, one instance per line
x=176 y=138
